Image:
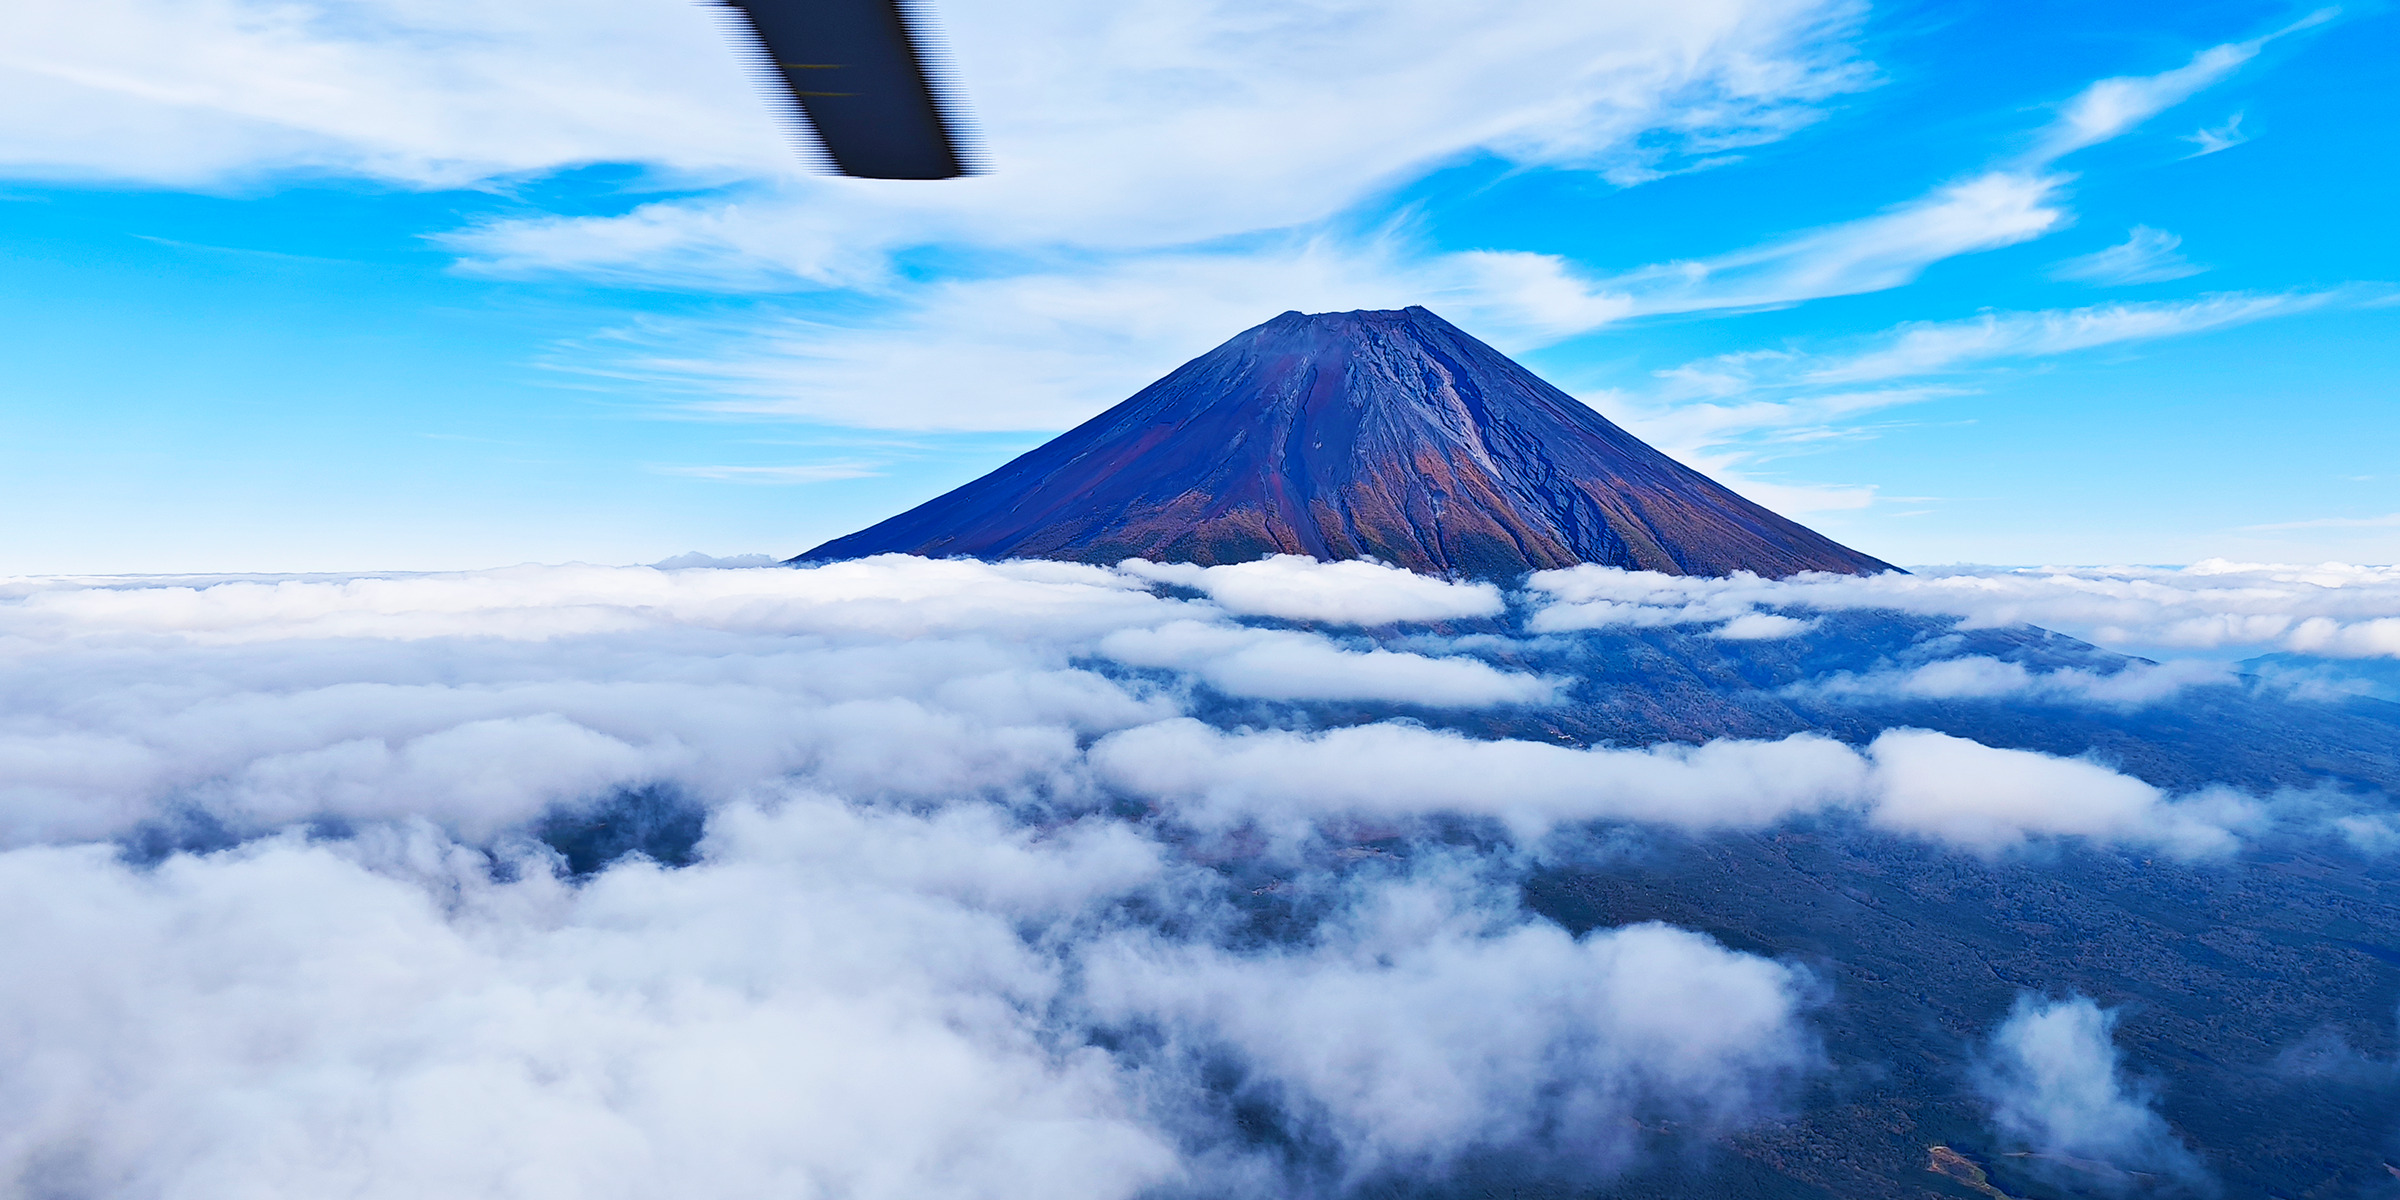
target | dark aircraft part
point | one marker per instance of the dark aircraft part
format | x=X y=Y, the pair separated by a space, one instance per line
x=859 y=76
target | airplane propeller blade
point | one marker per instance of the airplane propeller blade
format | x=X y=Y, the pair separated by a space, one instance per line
x=857 y=74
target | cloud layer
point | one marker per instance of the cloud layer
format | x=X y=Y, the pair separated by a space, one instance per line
x=2333 y=609
x=912 y=955
x=979 y=904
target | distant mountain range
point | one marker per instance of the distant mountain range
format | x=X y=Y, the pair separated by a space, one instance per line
x=1373 y=434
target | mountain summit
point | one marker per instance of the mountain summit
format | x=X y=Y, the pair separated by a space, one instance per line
x=1382 y=434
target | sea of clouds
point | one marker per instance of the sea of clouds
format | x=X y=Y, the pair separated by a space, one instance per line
x=988 y=899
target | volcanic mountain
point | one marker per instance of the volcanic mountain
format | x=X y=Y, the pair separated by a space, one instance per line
x=1373 y=434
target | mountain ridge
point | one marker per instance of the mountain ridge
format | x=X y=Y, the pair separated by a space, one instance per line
x=1387 y=434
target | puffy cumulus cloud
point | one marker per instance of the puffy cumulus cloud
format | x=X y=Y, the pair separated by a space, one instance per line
x=2054 y=1082
x=1284 y=665
x=1969 y=794
x=2334 y=610
x=1358 y=592
x=1288 y=781
x=1375 y=1036
x=481 y=700
x=1911 y=781
x=835 y=1001
x=380 y=1018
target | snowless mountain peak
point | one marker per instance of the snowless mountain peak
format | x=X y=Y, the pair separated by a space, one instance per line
x=1380 y=433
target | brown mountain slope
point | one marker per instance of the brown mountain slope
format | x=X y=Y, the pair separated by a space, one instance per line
x=1383 y=434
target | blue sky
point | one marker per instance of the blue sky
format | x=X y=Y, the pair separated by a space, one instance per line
x=363 y=284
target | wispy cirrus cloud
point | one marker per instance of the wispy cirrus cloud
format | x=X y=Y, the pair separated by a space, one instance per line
x=2113 y=107
x=1868 y=255
x=1118 y=130
x=796 y=473
x=1097 y=286
x=2387 y=521
x=1935 y=347
x=2145 y=256
x=2223 y=137
x=1039 y=348
x=1727 y=412
x=2018 y=200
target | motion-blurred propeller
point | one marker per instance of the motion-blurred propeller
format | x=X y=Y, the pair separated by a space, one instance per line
x=858 y=73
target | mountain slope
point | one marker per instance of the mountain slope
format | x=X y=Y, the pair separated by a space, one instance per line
x=1383 y=434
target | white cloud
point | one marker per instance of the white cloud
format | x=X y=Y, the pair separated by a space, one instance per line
x=927 y=946
x=1867 y=255
x=1172 y=122
x=1287 y=782
x=379 y=1019
x=887 y=974
x=888 y=597
x=1298 y=588
x=1048 y=347
x=836 y=1000
x=1060 y=334
x=1759 y=627
x=2223 y=137
x=2145 y=256
x=1913 y=781
x=1283 y=665
x=1968 y=794
x=2011 y=203
x=1379 y=1034
x=1725 y=413
x=441 y=94
x=2113 y=107
x=2333 y=609
x=1031 y=350
x=911 y=679
x=1938 y=346
x=1121 y=138
x=2055 y=1084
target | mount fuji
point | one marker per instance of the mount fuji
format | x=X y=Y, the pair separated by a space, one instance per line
x=1374 y=434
